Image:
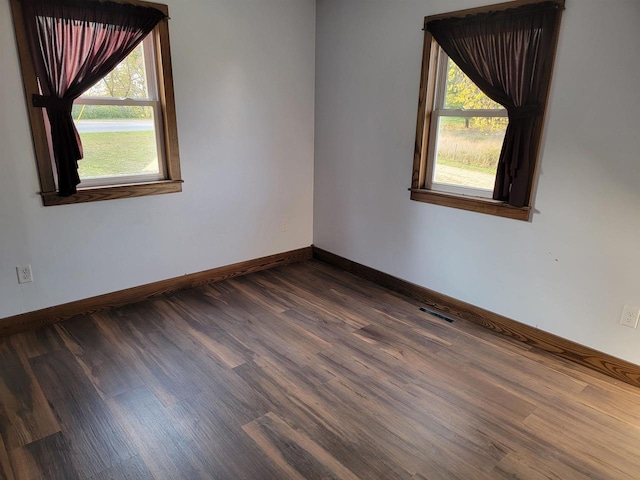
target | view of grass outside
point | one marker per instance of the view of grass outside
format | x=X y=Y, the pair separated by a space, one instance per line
x=468 y=156
x=108 y=154
x=468 y=148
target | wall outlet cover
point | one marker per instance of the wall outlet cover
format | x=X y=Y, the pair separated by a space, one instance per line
x=24 y=274
x=630 y=316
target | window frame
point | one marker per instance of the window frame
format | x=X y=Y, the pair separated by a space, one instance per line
x=152 y=101
x=439 y=111
x=426 y=123
x=172 y=183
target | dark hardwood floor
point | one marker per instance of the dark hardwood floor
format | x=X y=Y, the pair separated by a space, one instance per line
x=302 y=372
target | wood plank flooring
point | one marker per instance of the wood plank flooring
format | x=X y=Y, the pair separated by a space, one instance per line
x=301 y=372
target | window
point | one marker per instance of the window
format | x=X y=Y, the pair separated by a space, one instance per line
x=484 y=85
x=126 y=122
x=468 y=130
x=120 y=123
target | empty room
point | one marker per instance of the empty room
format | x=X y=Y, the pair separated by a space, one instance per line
x=319 y=239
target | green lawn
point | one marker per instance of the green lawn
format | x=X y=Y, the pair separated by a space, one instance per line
x=118 y=153
x=476 y=147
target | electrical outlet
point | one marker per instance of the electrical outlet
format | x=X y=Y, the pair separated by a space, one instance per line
x=284 y=224
x=630 y=316
x=24 y=274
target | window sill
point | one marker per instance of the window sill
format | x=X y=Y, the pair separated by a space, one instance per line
x=97 y=194
x=473 y=204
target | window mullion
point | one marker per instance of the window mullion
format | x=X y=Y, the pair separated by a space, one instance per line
x=451 y=112
x=126 y=102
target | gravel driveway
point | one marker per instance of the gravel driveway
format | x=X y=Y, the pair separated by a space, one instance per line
x=464 y=177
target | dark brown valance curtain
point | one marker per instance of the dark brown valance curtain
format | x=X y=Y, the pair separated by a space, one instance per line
x=507 y=54
x=74 y=44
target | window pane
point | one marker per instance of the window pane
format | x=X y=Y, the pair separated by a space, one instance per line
x=468 y=150
x=127 y=80
x=116 y=140
x=462 y=93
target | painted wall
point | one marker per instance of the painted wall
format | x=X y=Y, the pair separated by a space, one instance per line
x=572 y=268
x=244 y=83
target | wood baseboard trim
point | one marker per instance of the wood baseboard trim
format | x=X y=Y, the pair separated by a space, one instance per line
x=601 y=362
x=48 y=316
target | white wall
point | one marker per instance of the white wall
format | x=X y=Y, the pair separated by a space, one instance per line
x=244 y=82
x=568 y=271
x=244 y=79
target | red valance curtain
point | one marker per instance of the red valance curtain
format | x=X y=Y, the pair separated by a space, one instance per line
x=74 y=44
x=507 y=55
